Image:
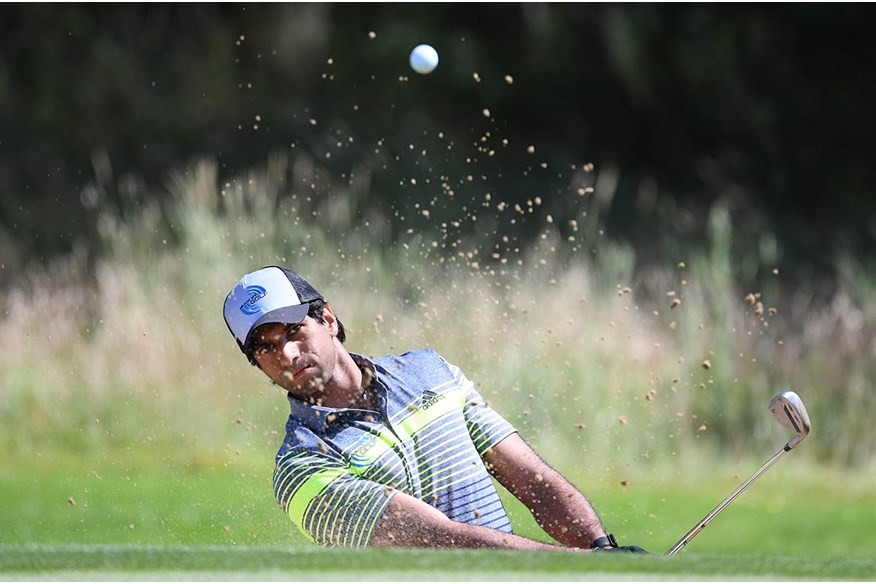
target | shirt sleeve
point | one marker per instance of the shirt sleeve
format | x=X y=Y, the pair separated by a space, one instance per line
x=486 y=427
x=325 y=500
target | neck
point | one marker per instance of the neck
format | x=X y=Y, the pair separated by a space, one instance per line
x=347 y=384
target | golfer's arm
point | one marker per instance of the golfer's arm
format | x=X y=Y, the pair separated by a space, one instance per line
x=409 y=522
x=558 y=507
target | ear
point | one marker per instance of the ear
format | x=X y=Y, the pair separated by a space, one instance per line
x=330 y=319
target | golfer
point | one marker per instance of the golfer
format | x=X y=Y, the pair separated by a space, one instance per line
x=395 y=451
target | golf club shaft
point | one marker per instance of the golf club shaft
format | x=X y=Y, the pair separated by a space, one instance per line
x=702 y=524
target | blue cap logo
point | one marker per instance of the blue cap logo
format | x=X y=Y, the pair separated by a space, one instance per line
x=253 y=295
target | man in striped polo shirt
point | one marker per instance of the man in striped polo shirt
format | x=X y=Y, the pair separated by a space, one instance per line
x=397 y=450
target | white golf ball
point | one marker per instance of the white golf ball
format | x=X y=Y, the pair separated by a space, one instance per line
x=424 y=59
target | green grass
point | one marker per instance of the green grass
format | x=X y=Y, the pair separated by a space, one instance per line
x=171 y=503
x=231 y=503
x=249 y=562
x=200 y=521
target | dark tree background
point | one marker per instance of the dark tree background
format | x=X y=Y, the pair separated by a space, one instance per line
x=767 y=108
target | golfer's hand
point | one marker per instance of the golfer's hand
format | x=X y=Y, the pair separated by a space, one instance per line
x=633 y=549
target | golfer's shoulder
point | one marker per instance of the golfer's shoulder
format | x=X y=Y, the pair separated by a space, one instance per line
x=298 y=437
x=303 y=446
x=414 y=362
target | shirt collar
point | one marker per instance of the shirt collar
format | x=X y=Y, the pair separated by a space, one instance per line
x=319 y=418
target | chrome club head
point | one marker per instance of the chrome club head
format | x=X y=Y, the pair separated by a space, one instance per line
x=788 y=410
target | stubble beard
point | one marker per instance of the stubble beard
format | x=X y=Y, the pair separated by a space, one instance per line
x=312 y=390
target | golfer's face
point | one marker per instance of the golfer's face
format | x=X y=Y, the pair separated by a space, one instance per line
x=296 y=356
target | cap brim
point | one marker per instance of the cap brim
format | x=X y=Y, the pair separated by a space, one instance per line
x=284 y=315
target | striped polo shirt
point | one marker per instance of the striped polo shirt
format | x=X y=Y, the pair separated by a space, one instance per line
x=338 y=468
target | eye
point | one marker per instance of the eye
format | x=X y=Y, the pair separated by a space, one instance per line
x=292 y=329
x=264 y=349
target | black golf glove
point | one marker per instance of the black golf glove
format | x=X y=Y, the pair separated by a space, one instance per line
x=633 y=549
x=609 y=544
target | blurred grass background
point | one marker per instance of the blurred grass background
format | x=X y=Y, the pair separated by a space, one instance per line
x=559 y=336
x=630 y=253
x=128 y=413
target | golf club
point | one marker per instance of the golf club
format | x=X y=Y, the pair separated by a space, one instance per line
x=788 y=410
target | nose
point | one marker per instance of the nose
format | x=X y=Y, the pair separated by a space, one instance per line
x=289 y=353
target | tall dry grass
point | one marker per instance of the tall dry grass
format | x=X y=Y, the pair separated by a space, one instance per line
x=598 y=365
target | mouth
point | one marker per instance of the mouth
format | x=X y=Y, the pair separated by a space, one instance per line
x=300 y=371
x=293 y=375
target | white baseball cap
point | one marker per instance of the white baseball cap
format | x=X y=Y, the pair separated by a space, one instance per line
x=269 y=295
